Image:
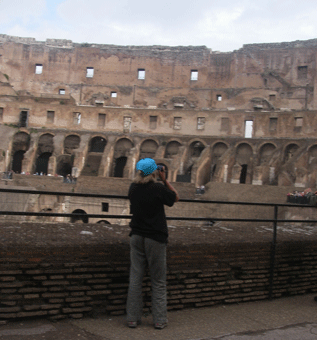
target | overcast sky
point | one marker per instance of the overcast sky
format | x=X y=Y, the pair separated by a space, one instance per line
x=222 y=25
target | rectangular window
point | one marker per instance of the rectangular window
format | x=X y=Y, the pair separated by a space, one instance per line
x=177 y=123
x=224 y=124
x=127 y=121
x=38 y=69
x=193 y=75
x=153 y=122
x=62 y=91
x=141 y=73
x=90 y=72
x=201 y=123
x=101 y=119
x=298 y=124
x=50 y=117
x=113 y=94
x=76 y=118
x=219 y=97
x=299 y=121
x=302 y=72
x=105 y=206
x=248 y=129
x=24 y=116
x=273 y=124
x=1 y=114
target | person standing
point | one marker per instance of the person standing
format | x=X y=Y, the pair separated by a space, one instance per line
x=148 y=239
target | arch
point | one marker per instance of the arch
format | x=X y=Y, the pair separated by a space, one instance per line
x=21 y=141
x=312 y=158
x=81 y=218
x=64 y=165
x=120 y=163
x=121 y=153
x=122 y=147
x=71 y=142
x=244 y=153
x=104 y=222
x=266 y=152
x=218 y=150
x=42 y=163
x=20 y=144
x=148 y=149
x=289 y=151
x=172 y=149
x=312 y=151
x=196 y=148
x=45 y=144
x=242 y=170
x=17 y=161
x=97 y=144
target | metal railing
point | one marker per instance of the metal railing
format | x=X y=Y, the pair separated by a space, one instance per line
x=25 y=202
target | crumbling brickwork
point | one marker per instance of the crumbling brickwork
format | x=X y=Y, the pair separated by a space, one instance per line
x=59 y=272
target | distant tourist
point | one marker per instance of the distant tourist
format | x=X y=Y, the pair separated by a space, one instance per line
x=148 y=241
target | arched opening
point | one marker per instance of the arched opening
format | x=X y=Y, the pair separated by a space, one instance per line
x=20 y=144
x=17 y=161
x=218 y=151
x=266 y=153
x=119 y=166
x=172 y=149
x=45 y=149
x=195 y=149
x=82 y=216
x=104 y=222
x=42 y=163
x=64 y=165
x=242 y=170
x=290 y=151
x=243 y=173
x=97 y=144
x=71 y=142
x=121 y=153
x=148 y=149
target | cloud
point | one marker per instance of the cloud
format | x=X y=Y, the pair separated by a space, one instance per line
x=23 y=10
x=221 y=25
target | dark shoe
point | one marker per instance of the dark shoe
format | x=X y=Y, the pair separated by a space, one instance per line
x=160 y=325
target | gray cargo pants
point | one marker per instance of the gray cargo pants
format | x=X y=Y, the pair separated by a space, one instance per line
x=145 y=251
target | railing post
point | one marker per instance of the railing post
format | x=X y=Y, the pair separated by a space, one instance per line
x=273 y=250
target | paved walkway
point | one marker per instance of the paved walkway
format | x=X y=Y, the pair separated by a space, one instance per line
x=293 y=318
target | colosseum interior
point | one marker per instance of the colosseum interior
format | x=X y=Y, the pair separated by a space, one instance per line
x=247 y=116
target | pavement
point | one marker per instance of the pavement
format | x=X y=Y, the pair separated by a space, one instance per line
x=291 y=318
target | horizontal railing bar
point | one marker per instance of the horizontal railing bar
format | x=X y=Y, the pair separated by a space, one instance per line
x=29 y=213
x=62 y=193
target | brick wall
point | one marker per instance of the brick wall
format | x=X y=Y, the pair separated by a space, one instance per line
x=60 y=271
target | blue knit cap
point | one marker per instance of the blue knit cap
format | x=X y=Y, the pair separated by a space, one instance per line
x=147 y=166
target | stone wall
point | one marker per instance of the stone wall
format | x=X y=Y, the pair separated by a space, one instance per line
x=260 y=76
x=67 y=270
x=247 y=116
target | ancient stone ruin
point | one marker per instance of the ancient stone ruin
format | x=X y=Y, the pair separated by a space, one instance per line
x=248 y=116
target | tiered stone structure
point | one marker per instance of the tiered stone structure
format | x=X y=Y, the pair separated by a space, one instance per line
x=247 y=116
